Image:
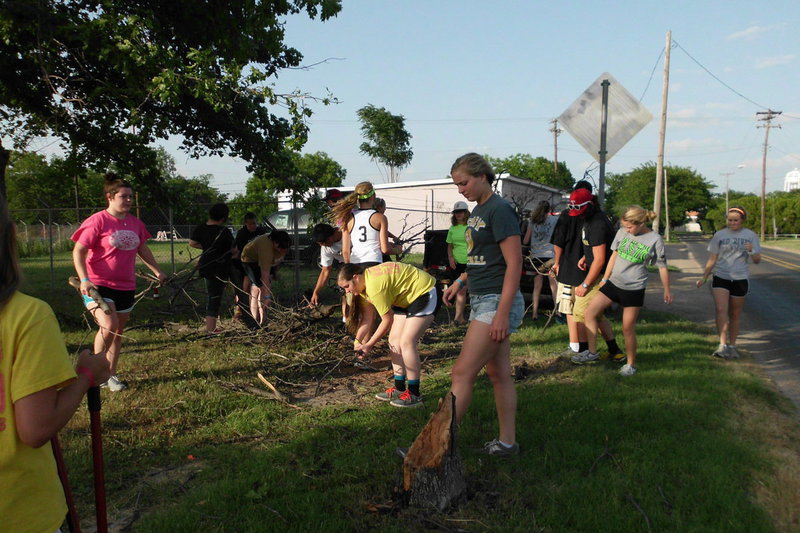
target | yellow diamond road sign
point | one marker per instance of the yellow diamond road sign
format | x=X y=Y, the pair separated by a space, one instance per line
x=626 y=117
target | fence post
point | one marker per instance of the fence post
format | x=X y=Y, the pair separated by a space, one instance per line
x=171 y=241
x=52 y=258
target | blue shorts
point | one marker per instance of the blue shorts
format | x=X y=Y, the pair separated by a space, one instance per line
x=483 y=308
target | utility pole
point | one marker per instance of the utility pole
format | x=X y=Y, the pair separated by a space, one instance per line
x=666 y=207
x=767 y=118
x=727 y=187
x=662 y=132
x=556 y=131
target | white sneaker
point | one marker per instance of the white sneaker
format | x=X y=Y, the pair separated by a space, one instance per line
x=585 y=357
x=721 y=352
x=627 y=370
x=114 y=384
x=733 y=353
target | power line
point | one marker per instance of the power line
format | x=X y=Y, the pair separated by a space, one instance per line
x=652 y=72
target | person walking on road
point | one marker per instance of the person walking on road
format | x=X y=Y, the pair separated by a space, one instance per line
x=729 y=254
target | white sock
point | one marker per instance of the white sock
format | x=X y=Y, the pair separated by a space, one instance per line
x=574 y=346
x=504 y=444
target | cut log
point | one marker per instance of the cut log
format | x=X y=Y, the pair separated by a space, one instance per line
x=433 y=473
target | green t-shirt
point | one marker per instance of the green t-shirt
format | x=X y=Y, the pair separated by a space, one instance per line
x=489 y=224
x=396 y=284
x=455 y=236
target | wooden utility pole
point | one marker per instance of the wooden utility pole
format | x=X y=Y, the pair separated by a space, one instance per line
x=666 y=207
x=662 y=132
x=767 y=118
x=556 y=131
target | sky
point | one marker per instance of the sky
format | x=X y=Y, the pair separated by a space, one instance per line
x=488 y=77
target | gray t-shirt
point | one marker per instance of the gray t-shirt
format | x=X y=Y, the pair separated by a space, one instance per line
x=634 y=253
x=488 y=224
x=540 y=237
x=732 y=256
x=330 y=254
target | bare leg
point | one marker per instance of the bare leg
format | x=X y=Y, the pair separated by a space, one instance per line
x=594 y=319
x=721 y=302
x=735 y=306
x=461 y=304
x=538 y=281
x=256 y=309
x=211 y=324
x=629 y=317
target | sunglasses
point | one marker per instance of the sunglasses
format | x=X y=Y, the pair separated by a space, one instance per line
x=575 y=207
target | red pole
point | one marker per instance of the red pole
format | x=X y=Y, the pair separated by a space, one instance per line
x=73 y=521
x=93 y=397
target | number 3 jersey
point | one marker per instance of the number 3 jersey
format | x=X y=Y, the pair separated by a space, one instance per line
x=365 y=243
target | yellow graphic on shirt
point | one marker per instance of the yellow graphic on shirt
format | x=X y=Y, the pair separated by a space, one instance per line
x=474 y=224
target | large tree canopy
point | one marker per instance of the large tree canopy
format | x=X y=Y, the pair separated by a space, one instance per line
x=538 y=169
x=687 y=191
x=108 y=77
x=388 y=142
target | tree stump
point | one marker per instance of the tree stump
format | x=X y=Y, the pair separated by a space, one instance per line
x=433 y=473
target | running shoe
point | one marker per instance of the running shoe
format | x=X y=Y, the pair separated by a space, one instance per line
x=389 y=394
x=721 y=352
x=569 y=352
x=585 y=357
x=114 y=384
x=407 y=399
x=618 y=357
x=733 y=353
x=495 y=447
x=627 y=370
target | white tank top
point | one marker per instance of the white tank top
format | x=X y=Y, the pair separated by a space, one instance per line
x=365 y=244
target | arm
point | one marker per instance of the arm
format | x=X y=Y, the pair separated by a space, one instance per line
x=39 y=416
x=79 y=254
x=195 y=244
x=383 y=328
x=756 y=257
x=346 y=242
x=511 y=249
x=664 y=275
x=383 y=235
x=610 y=267
x=458 y=285
x=712 y=260
x=599 y=253
x=527 y=238
x=324 y=274
x=558 y=251
x=147 y=256
x=450 y=257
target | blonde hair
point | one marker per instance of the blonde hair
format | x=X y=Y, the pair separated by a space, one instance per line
x=474 y=165
x=637 y=215
x=340 y=214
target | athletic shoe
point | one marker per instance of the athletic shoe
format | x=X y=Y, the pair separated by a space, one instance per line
x=733 y=353
x=114 y=384
x=721 y=352
x=407 y=399
x=495 y=447
x=389 y=394
x=618 y=357
x=569 y=352
x=585 y=357
x=627 y=370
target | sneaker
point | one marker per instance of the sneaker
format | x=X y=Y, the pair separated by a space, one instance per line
x=495 y=447
x=407 y=399
x=733 y=353
x=721 y=352
x=585 y=357
x=569 y=352
x=114 y=384
x=618 y=357
x=627 y=370
x=389 y=394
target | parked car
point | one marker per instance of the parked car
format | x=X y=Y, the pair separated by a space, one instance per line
x=306 y=249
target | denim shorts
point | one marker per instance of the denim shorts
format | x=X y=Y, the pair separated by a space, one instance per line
x=483 y=308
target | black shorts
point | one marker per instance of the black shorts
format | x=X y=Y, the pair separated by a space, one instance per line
x=123 y=300
x=458 y=270
x=253 y=271
x=737 y=287
x=623 y=297
x=422 y=305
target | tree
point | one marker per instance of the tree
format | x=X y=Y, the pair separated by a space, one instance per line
x=190 y=198
x=783 y=211
x=538 y=169
x=388 y=141
x=688 y=191
x=109 y=77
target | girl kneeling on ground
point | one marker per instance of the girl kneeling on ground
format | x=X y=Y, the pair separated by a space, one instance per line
x=406 y=299
x=634 y=247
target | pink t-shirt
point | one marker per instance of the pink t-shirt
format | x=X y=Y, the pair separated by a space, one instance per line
x=113 y=245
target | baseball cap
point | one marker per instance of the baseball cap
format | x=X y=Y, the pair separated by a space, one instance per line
x=579 y=202
x=333 y=194
x=460 y=206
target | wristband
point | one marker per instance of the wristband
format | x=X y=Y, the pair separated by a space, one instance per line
x=267 y=297
x=85 y=279
x=584 y=285
x=603 y=280
x=86 y=372
x=460 y=282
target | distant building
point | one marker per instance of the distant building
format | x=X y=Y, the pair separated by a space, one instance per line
x=792 y=181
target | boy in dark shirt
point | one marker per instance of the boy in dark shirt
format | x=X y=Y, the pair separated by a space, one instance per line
x=214 y=264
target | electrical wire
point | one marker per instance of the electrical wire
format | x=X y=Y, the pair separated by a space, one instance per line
x=652 y=72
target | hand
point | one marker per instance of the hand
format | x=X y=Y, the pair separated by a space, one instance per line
x=451 y=293
x=582 y=263
x=85 y=286
x=96 y=364
x=749 y=247
x=162 y=278
x=452 y=262
x=667 y=297
x=314 y=301
x=701 y=282
x=498 y=331
x=581 y=291
x=554 y=270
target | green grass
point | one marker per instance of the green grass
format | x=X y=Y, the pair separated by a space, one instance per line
x=679 y=447
x=787 y=244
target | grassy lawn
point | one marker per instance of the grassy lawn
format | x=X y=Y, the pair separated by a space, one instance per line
x=688 y=444
x=786 y=244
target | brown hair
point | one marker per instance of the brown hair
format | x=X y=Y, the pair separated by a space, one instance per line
x=540 y=213
x=474 y=165
x=637 y=215
x=10 y=274
x=114 y=183
x=354 y=310
x=739 y=210
x=454 y=222
x=341 y=212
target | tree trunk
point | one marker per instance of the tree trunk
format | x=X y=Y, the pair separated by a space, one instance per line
x=433 y=474
x=5 y=155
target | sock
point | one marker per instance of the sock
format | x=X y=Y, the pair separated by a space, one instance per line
x=504 y=444
x=613 y=347
x=413 y=386
x=574 y=346
x=583 y=346
x=400 y=383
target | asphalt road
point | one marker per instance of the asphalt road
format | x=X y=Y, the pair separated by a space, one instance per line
x=770 y=328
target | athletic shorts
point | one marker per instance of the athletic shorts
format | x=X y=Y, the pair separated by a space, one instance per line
x=624 y=297
x=582 y=303
x=426 y=305
x=566 y=298
x=483 y=308
x=122 y=300
x=737 y=287
x=253 y=271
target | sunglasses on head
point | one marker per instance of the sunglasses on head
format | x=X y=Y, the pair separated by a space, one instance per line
x=575 y=207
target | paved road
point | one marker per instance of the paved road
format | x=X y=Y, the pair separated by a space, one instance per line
x=771 y=320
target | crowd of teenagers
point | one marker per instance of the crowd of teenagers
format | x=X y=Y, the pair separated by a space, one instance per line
x=588 y=264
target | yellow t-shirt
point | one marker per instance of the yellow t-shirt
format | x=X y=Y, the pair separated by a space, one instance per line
x=33 y=357
x=397 y=284
x=260 y=251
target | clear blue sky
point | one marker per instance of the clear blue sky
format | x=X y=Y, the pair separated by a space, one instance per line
x=488 y=77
